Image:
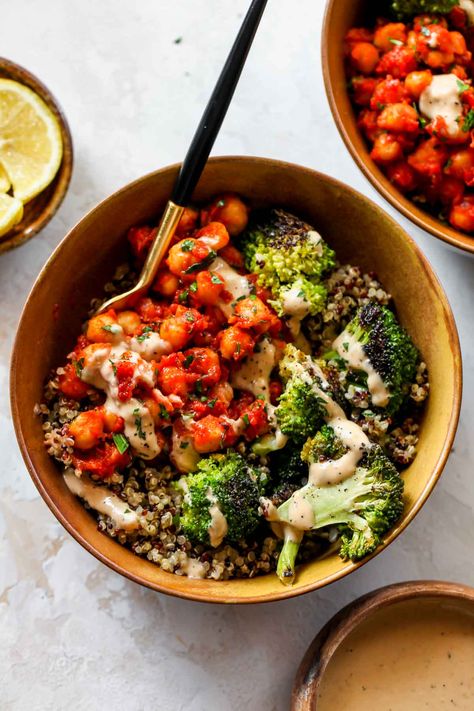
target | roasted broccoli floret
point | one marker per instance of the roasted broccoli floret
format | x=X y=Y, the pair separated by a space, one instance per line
x=288 y=472
x=363 y=506
x=389 y=349
x=283 y=249
x=324 y=445
x=301 y=407
x=408 y=8
x=221 y=499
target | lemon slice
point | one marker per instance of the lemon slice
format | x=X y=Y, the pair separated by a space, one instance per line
x=11 y=212
x=4 y=181
x=30 y=140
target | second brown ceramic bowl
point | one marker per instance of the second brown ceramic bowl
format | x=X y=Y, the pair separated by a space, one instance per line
x=360 y=232
x=340 y=16
x=310 y=675
x=39 y=211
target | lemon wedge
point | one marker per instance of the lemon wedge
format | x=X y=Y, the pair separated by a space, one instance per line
x=30 y=140
x=11 y=212
x=4 y=181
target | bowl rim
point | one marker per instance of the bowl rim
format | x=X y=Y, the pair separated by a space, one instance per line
x=371 y=171
x=313 y=666
x=286 y=591
x=64 y=172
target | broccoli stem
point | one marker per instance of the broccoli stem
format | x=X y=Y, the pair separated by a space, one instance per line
x=287 y=558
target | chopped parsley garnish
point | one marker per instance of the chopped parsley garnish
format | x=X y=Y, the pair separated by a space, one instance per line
x=187 y=245
x=164 y=413
x=215 y=279
x=183 y=297
x=193 y=287
x=202 y=264
x=138 y=425
x=212 y=402
x=145 y=333
x=462 y=86
x=114 y=367
x=468 y=123
x=221 y=203
x=121 y=442
x=112 y=328
x=187 y=361
x=398 y=43
x=198 y=387
x=425 y=31
x=190 y=317
x=79 y=366
x=246 y=419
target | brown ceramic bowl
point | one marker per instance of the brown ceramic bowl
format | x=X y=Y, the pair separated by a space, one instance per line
x=359 y=231
x=42 y=208
x=340 y=16
x=311 y=672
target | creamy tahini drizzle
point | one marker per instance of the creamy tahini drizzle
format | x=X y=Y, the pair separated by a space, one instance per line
x=99 y=372
x=183 y=455
x=238 y=286
x=296 y=307
x=441 y=98
x=353 y=353
x=218 y=527
x=468 y=7
x=101 y=499
x=254 y=377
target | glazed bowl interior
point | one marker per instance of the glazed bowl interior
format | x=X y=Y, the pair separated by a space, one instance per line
x=340 y=16
x=360 y=232
x=310 y=675
x=39 y=211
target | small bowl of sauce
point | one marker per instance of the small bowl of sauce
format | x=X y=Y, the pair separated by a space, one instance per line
x=406 y=647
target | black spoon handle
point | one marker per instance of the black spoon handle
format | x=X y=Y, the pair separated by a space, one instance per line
x=216 y=109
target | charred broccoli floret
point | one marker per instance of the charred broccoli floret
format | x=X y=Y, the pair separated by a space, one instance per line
x=283 y=249
x=221 y=499
x=301 y=407
x=324 y=445
x=363 y=506
x=408 y=8
x=389 y=349
x=288 y=472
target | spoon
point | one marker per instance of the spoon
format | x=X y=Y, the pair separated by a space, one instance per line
x=196 y=157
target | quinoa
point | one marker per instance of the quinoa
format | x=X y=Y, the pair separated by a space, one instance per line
x=152 y=491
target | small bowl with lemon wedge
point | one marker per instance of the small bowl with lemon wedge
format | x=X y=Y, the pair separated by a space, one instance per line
x=36 y=155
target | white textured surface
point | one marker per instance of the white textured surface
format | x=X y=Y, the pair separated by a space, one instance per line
x=73 y=634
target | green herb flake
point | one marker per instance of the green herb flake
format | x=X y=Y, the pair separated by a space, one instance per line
x=221 y=203
x=190 y=317
x=138 y=425
x=193 y=287
x=114 y=367
x=202 y=264
x=211 y=403
x=198 y=387
x=183 y=297
x=112 y=328
x=396 y=42
x=462 y=86
x=79 y=366
x=246 y=420
x=345 y=345
x=187 y=361
x=468 y=123
x=425 y=31
x=144 y=334
x=187 y=245
x=216 y=279
x=121 y=442
x=184 y=445
x=164 y=414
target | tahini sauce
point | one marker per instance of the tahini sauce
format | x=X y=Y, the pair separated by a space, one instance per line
x=410 y=656
x=441 y=98
x=468 y=7
x=353 y=353
x=101 y=499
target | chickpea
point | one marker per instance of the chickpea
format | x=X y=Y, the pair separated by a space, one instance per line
x=458 y=43
x=230 y=210
x=173 y=380
x=253 y=313
x=180 y=256
x=399 y=117
x=209 y=287
x=364 y=57
x=214 y=235
x=130 y=322
x=386 y=149
x=461 y=163
x=386 y=33
x=71 y=385
x=176 y=331
x=208 y=434
x=103 y=328
x=416 y=82
x=166 y=283
x=235 y=343
x=223 y=391
x=95 y=354
x=188 y=221
x=87 y=429
x=112 y=422
x=462 y=215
